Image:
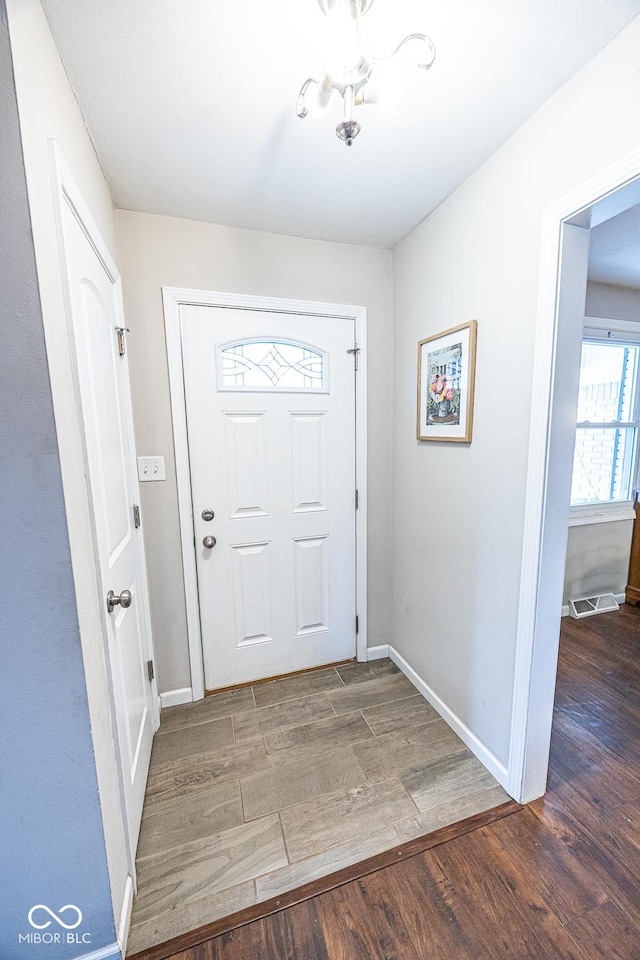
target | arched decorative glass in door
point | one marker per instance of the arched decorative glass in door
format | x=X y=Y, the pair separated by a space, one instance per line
x=272 y=365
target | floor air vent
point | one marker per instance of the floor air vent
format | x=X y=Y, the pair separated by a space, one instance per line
x=588 y=606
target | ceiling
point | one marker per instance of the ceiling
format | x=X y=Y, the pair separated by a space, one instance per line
x=614 y=250
x=191 y=104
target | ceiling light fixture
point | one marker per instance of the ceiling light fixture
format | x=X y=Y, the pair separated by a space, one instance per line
x=351 y=67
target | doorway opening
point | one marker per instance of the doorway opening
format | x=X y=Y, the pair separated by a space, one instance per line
x=561 y=317
x=605 y=476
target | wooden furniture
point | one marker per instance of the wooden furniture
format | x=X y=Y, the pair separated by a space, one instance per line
x=632 y=593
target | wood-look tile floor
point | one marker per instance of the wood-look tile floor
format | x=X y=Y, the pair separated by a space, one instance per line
x=256 y=791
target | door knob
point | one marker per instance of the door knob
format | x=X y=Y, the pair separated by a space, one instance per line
x=209 y=542
x=208 y=514
x=113 y=600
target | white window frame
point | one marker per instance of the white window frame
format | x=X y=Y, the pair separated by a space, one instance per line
x=620 y=332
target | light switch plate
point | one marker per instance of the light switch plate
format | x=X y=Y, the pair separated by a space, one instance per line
x=151 y=468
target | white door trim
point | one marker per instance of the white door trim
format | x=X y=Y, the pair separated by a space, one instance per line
x=536 y=648
x=173 y=299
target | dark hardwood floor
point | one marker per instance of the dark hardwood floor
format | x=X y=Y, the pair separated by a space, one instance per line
x=559 y=879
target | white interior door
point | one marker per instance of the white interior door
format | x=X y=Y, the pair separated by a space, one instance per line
x=270 y=401
x=95 y=300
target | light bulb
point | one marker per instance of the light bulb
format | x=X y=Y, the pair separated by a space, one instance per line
x=318 y=100
x=386 y=87
x=343 y=48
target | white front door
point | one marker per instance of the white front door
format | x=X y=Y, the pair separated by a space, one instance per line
x=270 y=401
x=95 y=301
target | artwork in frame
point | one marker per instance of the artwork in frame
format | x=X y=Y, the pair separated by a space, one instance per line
x=446 y=373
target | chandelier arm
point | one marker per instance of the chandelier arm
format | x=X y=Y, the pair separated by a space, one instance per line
x=301 y=109
x=412 y=36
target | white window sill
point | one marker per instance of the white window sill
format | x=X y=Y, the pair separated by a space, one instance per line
x=601 y=513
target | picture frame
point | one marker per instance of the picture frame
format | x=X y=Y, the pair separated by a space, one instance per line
x=446 y=380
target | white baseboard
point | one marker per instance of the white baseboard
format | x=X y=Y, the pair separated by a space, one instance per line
x=122 y=932
x=378 y=653
x=173 y=697
x=477 y=747
x=620 y=598
x=112 y=952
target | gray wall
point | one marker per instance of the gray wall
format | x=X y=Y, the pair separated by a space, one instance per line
x=51 y=846
x=160 y=251
x=611 y=302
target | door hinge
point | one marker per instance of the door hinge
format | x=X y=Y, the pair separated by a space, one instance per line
x=357 y=498
x=122 y=346
x=357 y=623
x=150 y=671
x=355 y=351
x=136 y=516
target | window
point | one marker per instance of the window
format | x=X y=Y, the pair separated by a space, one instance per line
x=271 y=365
x=604 y=463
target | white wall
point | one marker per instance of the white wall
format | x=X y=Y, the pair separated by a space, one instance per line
x=458 y=510
x=612 y=302
x=48 y=109
x=160 y=251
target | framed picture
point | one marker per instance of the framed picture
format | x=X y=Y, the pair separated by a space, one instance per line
x=446 y=373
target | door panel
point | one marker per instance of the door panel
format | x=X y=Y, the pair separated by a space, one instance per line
x=252 y=593
x=308 y=454
x=270 y=402
x=246 y=464
x=108 y=430
x=312 y=585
